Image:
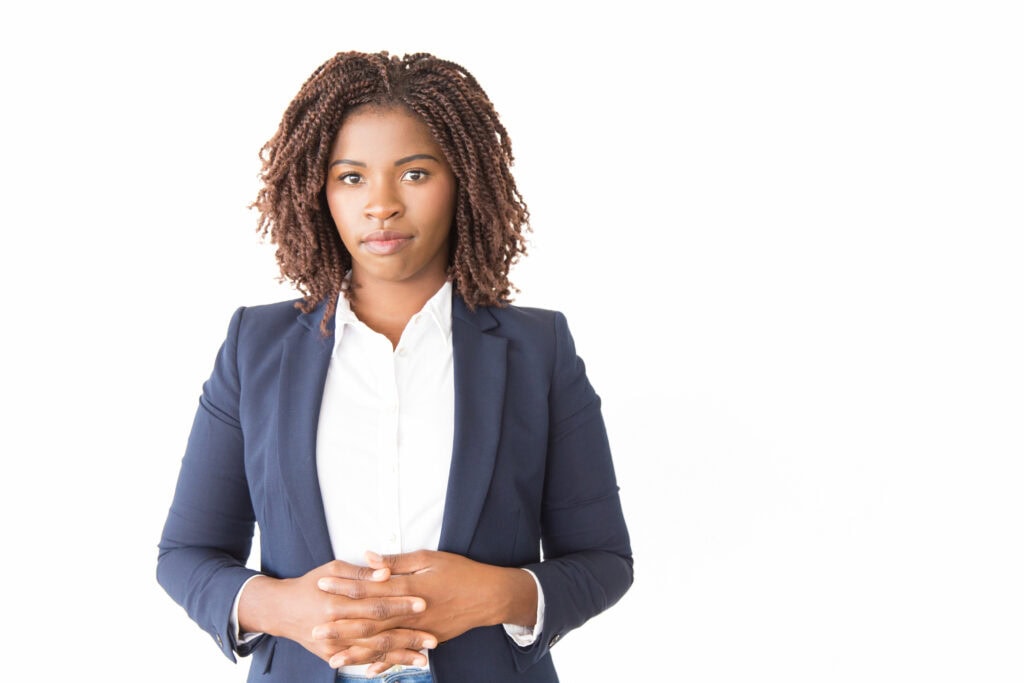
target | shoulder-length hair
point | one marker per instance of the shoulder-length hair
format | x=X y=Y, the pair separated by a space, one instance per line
x=490 y=215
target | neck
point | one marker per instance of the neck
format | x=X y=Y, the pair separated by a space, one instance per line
x=386 y=307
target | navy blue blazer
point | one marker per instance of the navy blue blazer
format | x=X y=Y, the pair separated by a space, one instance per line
x=531 y=470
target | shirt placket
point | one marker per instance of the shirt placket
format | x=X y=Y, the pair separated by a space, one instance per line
x=388 y=502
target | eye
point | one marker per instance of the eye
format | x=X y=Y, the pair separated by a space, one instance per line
x=415 y=175
x=350 y=179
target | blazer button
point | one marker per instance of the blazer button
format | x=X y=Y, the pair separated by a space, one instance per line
x=219 y=641
x=554 y=639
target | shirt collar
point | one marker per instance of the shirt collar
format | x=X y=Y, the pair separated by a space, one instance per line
x=438 y=309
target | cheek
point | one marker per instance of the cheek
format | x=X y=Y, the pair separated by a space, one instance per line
x=332 y=206
x=444 y=202
x=339 y=214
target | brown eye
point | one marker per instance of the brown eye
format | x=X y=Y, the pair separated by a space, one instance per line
x=415 y=175
x=351 y=179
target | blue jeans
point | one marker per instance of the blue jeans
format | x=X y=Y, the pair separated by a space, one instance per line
x=403 y=676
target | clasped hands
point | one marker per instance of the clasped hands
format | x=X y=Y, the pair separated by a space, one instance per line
x=388 y=611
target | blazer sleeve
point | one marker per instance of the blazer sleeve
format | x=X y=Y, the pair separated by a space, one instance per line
x=208 y=534
x=588 y=563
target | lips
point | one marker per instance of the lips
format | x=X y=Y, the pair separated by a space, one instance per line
x=385 y=242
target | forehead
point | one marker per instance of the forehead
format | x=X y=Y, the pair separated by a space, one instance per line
x=375 y=132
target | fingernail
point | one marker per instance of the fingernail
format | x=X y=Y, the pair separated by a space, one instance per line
x=418 y=605
x=421 y=661
x=323 y=584
x=380 y=573
x=373 y=557
x=430 y=643
x=338 y=662
x=323 y=633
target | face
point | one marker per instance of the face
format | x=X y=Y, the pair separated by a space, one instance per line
x=392 y=197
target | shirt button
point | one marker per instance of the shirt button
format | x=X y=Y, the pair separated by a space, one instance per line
x=401 y=351
x=394 y=537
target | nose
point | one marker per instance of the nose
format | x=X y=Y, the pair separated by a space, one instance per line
x=382 y=202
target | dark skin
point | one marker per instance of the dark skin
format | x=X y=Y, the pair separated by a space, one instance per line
x=293 y=608
x=392 y=195
x=499 y=595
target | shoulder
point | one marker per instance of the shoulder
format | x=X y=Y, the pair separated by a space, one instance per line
x=516 y=322
x=510 y=316
x=540 y=332
x=540 y=338
x=266 y=318
x=527 y=317
x=265 y=325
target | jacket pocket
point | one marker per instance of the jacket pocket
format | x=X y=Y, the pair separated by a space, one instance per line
x=263 y=656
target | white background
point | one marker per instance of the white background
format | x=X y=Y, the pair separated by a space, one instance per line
x=787 y=237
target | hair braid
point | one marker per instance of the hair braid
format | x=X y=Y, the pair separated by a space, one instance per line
x=490 y=216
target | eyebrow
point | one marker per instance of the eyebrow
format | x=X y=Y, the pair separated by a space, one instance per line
x=403 y=160
x=414 y=157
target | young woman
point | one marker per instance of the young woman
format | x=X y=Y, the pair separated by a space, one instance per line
x=407 y=441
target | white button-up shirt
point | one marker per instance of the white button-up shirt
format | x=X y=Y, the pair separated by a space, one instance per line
x=384 y=441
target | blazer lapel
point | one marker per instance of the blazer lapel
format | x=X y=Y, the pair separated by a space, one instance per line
x=480 y=363
x=304 y=364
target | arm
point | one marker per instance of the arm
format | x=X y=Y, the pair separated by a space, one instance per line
x=208 y=535
x=588 y=562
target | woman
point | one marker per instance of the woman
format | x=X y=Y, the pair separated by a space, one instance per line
x=400 y=407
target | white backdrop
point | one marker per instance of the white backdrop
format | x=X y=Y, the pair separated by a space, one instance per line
x=787 y=237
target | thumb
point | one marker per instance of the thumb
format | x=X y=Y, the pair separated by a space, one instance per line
x=404 y=563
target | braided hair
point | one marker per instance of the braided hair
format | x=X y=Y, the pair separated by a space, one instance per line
x=490 y=215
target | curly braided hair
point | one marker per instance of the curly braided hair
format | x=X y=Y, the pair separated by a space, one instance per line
x=490 y=214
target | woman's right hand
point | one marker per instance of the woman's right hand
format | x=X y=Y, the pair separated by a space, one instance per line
x=364 y=618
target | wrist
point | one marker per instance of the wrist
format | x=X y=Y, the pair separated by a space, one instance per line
x=517 y=598
x=256 y=605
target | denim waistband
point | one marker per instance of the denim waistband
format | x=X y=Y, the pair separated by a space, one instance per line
x=392 y=675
